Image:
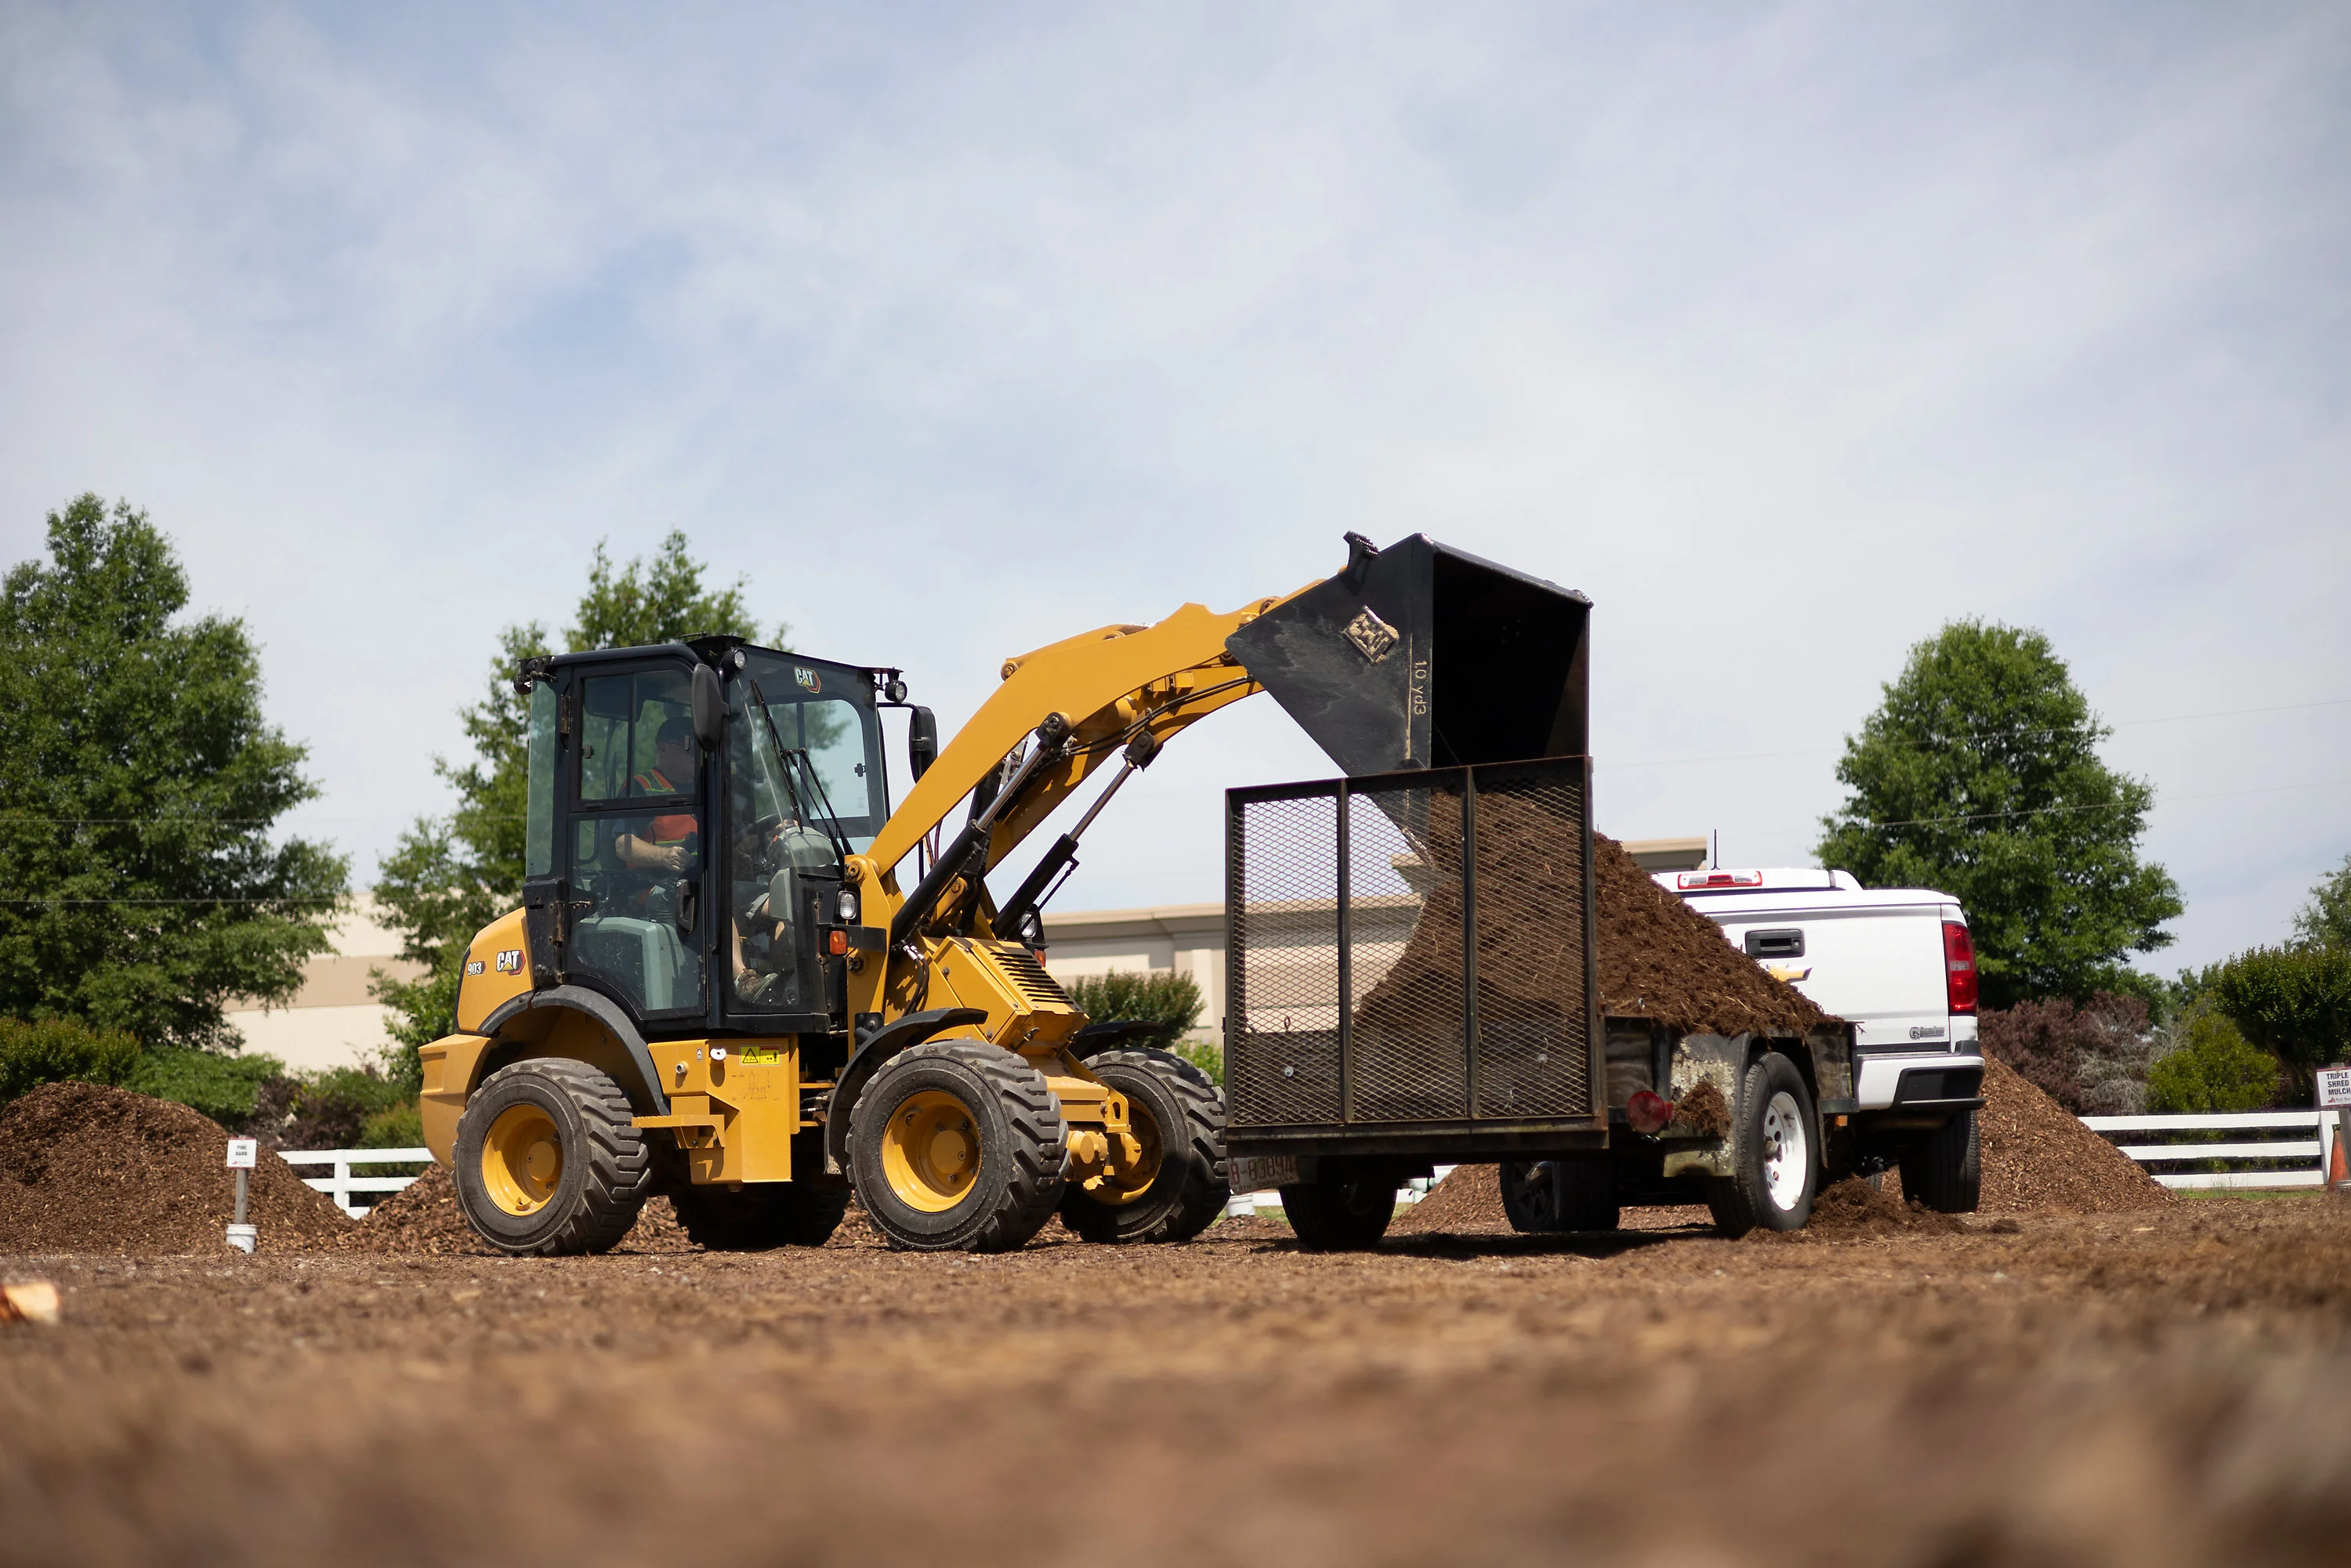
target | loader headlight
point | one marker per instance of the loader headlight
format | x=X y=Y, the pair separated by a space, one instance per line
x=845 y=906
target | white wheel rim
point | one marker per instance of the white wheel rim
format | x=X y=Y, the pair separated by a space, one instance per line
x=1786 y=1155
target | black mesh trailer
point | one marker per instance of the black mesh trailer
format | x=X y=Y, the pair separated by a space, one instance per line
x=1410 y=947
x=1411 y=965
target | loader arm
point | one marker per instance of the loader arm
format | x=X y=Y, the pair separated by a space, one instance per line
x=1111 y=684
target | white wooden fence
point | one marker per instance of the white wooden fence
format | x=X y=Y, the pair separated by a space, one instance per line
x=2162 y=1149
x=342 y=1184
x=2305 y=1157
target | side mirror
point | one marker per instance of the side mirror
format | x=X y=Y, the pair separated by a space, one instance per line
x=922 y=740
x=709 y=708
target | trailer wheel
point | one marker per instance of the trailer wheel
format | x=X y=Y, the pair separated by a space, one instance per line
x=1944 y=1169
x=958 y=1146
x=1179 y=1189
x=1346 y=1209
x=1775 y=1153
x=1551 y=1195
x=760 y=1217
x=548 y=1160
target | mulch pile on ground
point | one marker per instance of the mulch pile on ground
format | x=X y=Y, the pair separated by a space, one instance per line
x=1468 y=1202
x=85 y=1168
x=2037 y=1155
x=1854 y=1208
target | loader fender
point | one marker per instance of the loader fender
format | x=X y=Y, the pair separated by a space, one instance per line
x=608 y=1016
x=876 y=1048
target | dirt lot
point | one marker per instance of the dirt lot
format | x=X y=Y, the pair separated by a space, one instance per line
x=2163 y=1387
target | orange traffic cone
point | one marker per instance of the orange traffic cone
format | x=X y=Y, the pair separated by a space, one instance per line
x=2338 y=1165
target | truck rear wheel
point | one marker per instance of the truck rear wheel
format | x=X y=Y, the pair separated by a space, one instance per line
x=547 y=1162
x=1944 y=1169
x=760 y=1217
x=958 y=1146
x=1775 y=1153
x=1346 y=1209
x=1553 y=1195
x=1177 y=1114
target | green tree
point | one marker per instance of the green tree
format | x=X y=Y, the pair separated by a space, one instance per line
x=1979 y=775
x=2213 y=1068
x=449 y=876
x=140 y=887
x=1160 y=997
x=2325 y=920
x=2293 y=1003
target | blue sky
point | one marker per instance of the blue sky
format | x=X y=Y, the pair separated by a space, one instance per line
x=1786 y=332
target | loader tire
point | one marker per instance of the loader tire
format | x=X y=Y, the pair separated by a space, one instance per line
x=1555 y=1196
x=760 y=1217
x=1177 y=1113
x=1944 y=1169
x=1775 y=1157
x=1346 y=1209
x=547 y=1160
x=958 y=1146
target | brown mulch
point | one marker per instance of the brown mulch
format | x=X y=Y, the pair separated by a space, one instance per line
x=1468 y=1202
x=1661 y=959
x=1854 y=1208
x=423 y=1217
x=1658 y=958
x=2038 y=1156
x=85 y=1168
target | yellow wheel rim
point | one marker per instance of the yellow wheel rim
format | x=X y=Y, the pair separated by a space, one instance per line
x=1124 y=1184
x=522 y=1159
x=931 y=1152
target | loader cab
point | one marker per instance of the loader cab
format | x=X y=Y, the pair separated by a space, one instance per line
x=684 y=858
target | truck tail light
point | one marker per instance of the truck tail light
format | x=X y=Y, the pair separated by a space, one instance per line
x=1698 y=879
x=1959 y=966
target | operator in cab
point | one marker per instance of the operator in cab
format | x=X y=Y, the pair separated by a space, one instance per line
x=669 y=842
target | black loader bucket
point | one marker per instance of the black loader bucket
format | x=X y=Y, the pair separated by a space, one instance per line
x=1420 y=655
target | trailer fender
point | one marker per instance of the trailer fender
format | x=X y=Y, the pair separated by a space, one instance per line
x=871 y=1051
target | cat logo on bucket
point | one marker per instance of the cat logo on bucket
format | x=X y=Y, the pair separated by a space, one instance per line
x=510 y=961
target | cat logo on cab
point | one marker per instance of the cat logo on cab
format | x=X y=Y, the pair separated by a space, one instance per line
x=510 y=961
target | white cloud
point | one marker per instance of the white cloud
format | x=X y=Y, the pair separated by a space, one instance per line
x=1786 y=334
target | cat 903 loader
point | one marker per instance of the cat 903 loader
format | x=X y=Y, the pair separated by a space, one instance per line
x=741 y=979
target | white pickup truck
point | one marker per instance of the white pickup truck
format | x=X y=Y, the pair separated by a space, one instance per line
x=1900 y=965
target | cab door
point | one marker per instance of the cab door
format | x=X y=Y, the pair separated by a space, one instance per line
x=778 y=886
x=632 y=848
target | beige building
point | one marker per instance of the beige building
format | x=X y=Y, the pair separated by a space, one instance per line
x=332 y=1021
x=1184 y=938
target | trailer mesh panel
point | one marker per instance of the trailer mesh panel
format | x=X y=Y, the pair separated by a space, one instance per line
x=1411 y=949
x=1534 y=1043
x=1284 y=981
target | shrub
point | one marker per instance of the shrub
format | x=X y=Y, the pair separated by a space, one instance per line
x=1205 y=1054
x=2213 y=1068
x=52 y=1050
x=2092 y=1059
x=225 y=1088
x=400 y=1126
x=1161 y=996
x=2293 y=1003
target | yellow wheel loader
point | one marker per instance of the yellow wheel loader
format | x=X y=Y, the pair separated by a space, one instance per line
x=741 y=978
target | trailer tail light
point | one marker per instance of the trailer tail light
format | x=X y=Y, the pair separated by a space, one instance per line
x=1690 y=880
x=1959 y=966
